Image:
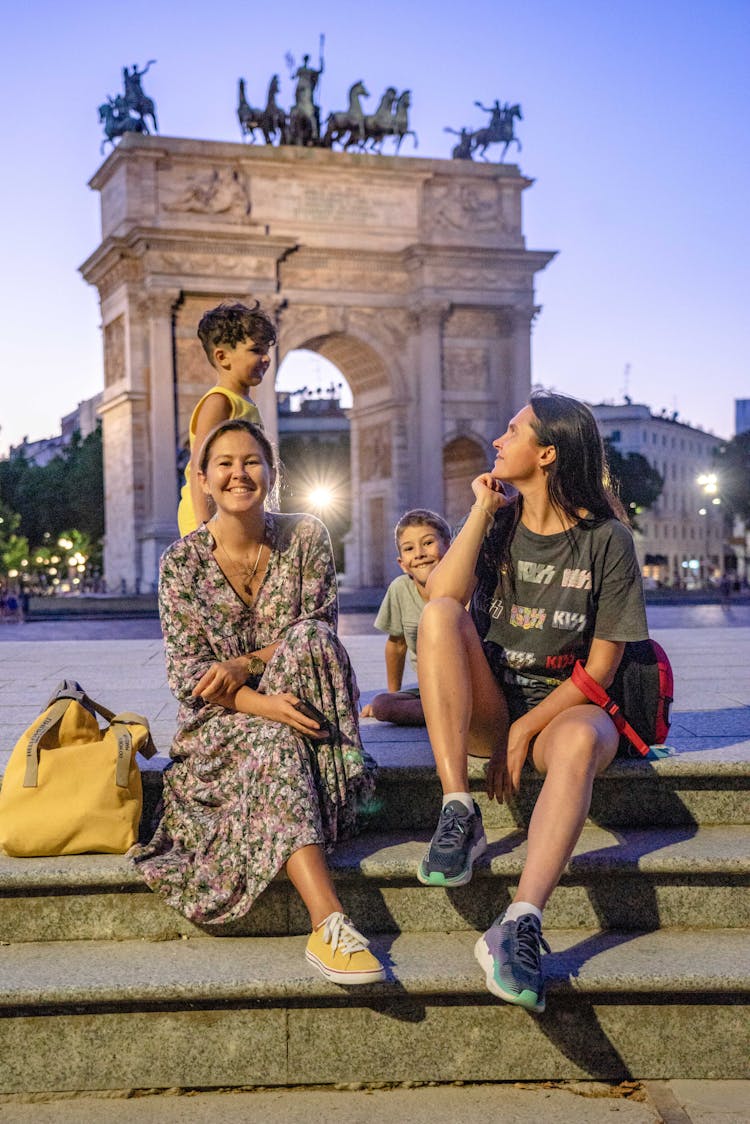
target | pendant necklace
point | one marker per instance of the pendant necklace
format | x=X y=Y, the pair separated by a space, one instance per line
x=244 y=570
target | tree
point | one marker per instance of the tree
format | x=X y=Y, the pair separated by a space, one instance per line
x=66 y=493
x=732 y=464
x=13 y=547
x=637 y=483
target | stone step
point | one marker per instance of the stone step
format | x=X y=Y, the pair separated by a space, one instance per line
x=631 y=794
x=634 y=879
x=688 y=789
x=87 y=1015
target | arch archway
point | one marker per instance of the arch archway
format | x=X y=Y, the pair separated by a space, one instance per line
x=379 y=414
x=411 y=275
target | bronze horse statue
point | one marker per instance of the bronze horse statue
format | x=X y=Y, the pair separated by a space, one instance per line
x=400 y=125
x=271 y=121
x=350 y=121
x=378 y=124
x=135 y=98
x=499 y=130
x=117 y=121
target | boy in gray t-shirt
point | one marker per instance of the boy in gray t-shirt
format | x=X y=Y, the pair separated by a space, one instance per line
x=422 y=538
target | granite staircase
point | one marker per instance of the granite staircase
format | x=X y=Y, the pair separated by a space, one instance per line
x=102 y=986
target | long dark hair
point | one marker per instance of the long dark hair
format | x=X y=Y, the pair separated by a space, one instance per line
x=578 y=479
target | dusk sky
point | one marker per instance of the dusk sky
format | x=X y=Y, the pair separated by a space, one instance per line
x=635 y=131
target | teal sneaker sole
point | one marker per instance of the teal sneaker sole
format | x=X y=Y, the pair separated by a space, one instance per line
x=529 y=1000
x=437 y=878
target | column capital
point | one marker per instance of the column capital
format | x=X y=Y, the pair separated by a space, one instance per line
x=523 y=315
x=159 y=304
x=431 y=314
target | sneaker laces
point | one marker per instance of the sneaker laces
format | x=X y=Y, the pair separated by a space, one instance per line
x=450 y=829
x=341 y=934
x=528 y=940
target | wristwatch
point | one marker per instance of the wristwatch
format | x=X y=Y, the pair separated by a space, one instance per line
x=255 y=666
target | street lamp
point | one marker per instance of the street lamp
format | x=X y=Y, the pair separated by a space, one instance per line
x=708 y=482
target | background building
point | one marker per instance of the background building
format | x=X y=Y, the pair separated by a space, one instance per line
x=681 y=539
x=741 y=415
x=82 y=420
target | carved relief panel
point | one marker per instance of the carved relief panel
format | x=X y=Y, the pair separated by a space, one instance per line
x=374 y=452
x=223 y=190
x=465 y=368
x=114 y=351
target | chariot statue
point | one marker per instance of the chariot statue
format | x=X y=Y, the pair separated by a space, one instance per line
x=304 y=116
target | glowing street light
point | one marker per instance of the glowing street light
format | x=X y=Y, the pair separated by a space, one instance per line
x=708 y=482
x=320 y=497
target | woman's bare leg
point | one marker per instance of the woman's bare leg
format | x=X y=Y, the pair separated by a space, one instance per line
x=575 y=748
x=464 y=709
x=309 y=874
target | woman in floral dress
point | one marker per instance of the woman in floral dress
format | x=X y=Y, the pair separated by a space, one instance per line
x=248 y=609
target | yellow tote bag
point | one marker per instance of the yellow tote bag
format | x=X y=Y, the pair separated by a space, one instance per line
x=70 y=787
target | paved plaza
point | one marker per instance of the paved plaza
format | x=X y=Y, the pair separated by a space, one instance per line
x=121 y=664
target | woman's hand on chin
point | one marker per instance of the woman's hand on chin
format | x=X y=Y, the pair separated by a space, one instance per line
x=490 y=493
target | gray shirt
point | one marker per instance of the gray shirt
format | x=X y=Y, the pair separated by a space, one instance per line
x=570 y=588
x=400 y=611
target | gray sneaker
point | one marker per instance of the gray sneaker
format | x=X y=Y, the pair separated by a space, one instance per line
x=458 y=842
x=510 y=953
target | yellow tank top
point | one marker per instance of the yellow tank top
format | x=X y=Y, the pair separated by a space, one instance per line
x=239 y=408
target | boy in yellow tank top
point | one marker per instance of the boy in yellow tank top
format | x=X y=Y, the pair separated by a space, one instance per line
x=237 y=341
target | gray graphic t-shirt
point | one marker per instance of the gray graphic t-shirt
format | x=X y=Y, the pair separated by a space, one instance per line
x=570 y=588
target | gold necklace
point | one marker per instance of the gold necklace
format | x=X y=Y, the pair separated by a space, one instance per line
x=242 y=568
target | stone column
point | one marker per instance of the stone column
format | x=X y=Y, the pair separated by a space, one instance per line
x=429 y=388
x=160 y=517
x=121 y=412
x=264 y=395
x=522 y=319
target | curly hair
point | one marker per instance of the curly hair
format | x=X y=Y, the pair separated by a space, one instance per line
x=229 y=324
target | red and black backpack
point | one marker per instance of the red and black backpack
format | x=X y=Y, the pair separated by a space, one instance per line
x=641 y=695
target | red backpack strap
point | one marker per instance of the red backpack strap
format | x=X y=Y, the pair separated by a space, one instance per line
x=595 y=693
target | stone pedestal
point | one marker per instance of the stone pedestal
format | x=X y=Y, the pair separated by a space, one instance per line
x=411 y=275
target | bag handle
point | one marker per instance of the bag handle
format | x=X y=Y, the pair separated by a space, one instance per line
x=55 y=710
x=120 y=729
x=595 y=693
x=70 y=691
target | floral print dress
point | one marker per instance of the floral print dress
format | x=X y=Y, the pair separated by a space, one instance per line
x=244 y=792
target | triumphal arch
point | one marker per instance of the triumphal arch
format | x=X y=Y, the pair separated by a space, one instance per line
x=411 y=275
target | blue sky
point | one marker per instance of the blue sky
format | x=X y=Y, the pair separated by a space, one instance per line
x=635 y=131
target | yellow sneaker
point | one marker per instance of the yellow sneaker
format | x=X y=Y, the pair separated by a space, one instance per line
x=340 y=953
